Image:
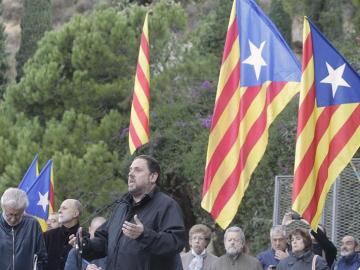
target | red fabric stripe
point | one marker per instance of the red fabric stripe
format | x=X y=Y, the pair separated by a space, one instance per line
x=306 y=109
x=142 y=115
x=338 y=142
x=145 y=47
x=231 y=37
x=252 y=138
x=143 y=81
x=307 y=52
x=229 y=138
x=229 y=89
x=134 y=137
x=307 y=163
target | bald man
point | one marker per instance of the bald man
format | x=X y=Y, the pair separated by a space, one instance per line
x=56 y=240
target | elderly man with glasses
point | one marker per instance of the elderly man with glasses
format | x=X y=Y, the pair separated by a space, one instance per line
x=22 y=245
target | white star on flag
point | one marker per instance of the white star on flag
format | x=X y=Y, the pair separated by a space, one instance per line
x=335 y=78
x=43 y=200
x=255 y=59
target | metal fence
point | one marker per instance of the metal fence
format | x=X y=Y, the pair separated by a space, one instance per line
x=341 y=215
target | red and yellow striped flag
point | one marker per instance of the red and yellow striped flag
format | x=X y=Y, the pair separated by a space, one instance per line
x=328 y=123
x=139 y=129
x=259 y=75
x=52 y=208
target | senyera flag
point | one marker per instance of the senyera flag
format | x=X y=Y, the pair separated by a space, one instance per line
x=328 y=123
x=139 y=130
x=259 y=75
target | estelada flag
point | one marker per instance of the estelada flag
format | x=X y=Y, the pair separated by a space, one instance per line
x=259 y=75
x=328 y=123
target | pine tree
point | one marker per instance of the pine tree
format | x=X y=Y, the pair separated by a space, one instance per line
x=34 y=23
x=3 y=56
x=281 y=19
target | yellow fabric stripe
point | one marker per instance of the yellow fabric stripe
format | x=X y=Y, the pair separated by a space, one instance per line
x=225 y=120
x=131 y=145
x=42 y=223
x=233 y=57
x=281 y=100
x=140 y=131
x=305 y=138
x=336 y=167
x=143 y=100
x=322 y=149
x=255 y=155
x=229 y=162
x=229 y=211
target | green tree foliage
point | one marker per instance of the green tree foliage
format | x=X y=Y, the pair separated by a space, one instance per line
x=3 y=57
x=34 y=23
x=281 y=19
x=73 y=101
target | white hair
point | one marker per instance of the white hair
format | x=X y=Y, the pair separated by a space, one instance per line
x=14 y=198
x=236 y=230
x=278 y=229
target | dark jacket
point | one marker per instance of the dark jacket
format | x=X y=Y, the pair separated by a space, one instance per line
x=351 y=262
x=57 y=245
x=71 y=262
x=324 y=245
x=302 y=262
x=24 y=241
x=157 y=248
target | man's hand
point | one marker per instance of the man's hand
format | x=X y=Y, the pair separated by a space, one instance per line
x=280 y=255
x=72 y=238
x=93 y=267
x=132 y=230
x=287 y=219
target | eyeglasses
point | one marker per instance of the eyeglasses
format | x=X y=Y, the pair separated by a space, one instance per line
x=198 y=238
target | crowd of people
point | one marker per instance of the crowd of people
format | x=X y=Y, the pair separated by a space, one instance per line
x=146 y=232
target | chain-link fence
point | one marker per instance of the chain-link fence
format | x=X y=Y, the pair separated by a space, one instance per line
x=341 y=215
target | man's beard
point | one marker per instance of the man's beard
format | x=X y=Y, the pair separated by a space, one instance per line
x=233 y=251
x=345 y=253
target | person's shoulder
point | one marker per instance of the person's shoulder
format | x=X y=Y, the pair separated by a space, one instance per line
x=185 y=254
x=212 y=256
x=52 y=232
x=30 y=221
x=264 y=253
x=250 y=257
x=164 y=198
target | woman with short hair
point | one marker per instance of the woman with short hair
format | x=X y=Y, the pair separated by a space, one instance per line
x=301 y=257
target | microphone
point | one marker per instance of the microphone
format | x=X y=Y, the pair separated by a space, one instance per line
x=78 y=248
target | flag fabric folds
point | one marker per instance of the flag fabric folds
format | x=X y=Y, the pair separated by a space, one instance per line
x=40 y=194
x=259 y=75
x=30 y=175
x=328 y=123
x=139 y=130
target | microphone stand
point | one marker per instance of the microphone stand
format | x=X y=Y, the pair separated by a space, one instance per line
x=78 y=243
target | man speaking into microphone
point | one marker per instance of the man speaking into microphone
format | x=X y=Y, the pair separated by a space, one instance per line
x=146 y=230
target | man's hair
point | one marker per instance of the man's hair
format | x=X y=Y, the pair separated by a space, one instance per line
x=153 y=164
x=278 y=229
x=304 y=234
x=97 y=221
x=78 y=205
x=200 y=228
x=237 y=230
x=14 y=198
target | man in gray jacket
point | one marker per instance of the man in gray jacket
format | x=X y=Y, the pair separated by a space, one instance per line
x=235 y=257
x=22 y=245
